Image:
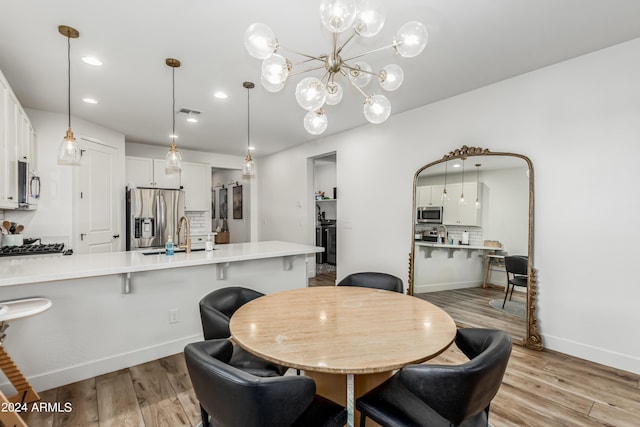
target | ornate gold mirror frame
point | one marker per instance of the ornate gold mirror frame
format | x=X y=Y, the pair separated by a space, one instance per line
x=532 y=337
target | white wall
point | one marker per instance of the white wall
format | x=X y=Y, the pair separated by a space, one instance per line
x=239 y=229
x=578 y=121
x=53 y=220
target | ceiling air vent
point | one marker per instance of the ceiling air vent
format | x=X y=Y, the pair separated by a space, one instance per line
x=188 y=111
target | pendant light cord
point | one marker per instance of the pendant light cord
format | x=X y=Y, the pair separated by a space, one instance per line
x=69 y=79
x=248 y=120
x=173 y=105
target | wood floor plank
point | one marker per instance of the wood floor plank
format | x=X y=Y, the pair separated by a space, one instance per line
x=41 y=418
x=165 y=413
x=151 y=383
x=175 y=369
x=612 y=416
x=191 y=406
x=117 y=402
x=82 y=397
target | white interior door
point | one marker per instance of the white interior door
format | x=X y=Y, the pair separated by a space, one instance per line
x=97 y=212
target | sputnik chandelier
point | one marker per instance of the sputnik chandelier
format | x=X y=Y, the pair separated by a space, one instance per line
x=365 y=18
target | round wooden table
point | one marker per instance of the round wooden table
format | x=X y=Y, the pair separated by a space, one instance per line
x=348 y=339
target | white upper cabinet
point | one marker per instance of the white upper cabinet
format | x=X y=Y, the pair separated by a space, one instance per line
x=466 y=214
x=429 y=195
x=196 y=183
x=17 y=142
x=145 y=172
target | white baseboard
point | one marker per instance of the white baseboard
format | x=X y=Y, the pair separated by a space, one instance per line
x=435 y=287
x=603 y=356
x=71 y=374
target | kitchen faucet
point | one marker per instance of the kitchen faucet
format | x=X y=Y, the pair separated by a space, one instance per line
x=187 y=244
x=444 y=236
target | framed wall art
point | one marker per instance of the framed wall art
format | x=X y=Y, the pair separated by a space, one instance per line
x=237 y=202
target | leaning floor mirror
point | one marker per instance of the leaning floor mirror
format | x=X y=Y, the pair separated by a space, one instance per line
x=472 y=242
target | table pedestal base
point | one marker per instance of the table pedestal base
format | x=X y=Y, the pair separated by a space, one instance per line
x=334 y=387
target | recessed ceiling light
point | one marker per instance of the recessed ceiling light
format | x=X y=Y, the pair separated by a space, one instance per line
x=221 y=95
x=192 y=120
x=90 y=100
x=92 y=60
x=457 y=165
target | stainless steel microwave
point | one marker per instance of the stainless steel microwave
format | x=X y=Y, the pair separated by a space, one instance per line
x=429 y=215
x=28 y=187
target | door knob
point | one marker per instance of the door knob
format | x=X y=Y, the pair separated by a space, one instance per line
x=116 y=236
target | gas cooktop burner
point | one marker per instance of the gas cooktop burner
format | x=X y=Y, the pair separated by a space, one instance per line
x=52 y=248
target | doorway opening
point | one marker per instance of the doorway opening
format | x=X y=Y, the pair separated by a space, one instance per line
x=325 y=195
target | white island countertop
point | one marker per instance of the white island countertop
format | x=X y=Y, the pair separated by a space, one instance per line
x=46 y=268
x=456 y=246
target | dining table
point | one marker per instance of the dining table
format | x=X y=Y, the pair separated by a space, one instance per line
x=348 y=339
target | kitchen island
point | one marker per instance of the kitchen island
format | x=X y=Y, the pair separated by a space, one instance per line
x=440 y=267
x=114 y=310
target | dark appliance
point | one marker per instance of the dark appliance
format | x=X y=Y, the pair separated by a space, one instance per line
x=331 y=244
x=429 y=215
x=28 y=187
x=152 y=216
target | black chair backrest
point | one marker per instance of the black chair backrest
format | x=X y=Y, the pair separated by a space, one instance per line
x=462 y=391
x=373 y=280
x=516 y=264
x=217 y=307
x=235 y=398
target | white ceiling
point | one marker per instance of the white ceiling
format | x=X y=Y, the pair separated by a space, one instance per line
x=472 y=44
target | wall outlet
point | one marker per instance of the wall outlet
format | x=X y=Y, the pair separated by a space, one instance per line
x=173 y=315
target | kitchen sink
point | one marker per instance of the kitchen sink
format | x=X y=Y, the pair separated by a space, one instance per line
x=177 y=251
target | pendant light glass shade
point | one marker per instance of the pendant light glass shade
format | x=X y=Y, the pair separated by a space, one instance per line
x=249 y=165
x=174 y=158
x=461 y=200
x=69 y=152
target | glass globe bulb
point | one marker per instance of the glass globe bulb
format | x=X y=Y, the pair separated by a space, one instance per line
x=315 y=122
x=260 y=41
x=360 y=78
x=391 y=77
x=173 y=159
x=69 y=151
x=411 y=39
x=334 y=93
x=337 y=15
x=249 y=166
x=369 y=18
x=310 y=93
x=270 y=87
x=275 y=69
x=377 y=109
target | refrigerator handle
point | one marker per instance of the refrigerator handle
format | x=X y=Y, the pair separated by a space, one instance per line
x=162 y=215
x=158 y=222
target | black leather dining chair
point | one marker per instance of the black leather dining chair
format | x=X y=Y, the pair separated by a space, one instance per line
x=374 y=280
x=216 y=309
x=443 y=395
x=234 y=398
x=517 y=274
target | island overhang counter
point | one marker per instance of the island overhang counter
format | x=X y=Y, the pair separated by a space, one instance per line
x=115 y=310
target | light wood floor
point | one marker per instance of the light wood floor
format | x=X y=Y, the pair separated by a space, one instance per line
x=539 y=389
x=470 y=307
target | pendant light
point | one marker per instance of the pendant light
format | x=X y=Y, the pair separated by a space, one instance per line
x=445 y=196
x=461 y=201
x=249 y=166
x=174 y=158
x=478 y=184
x=69 y=152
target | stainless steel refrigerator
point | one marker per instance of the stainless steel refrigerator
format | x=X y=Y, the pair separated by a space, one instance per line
x=152 y=216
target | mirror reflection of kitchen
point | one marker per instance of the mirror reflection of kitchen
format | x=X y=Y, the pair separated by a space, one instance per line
x=468 y=211
x=325 y=197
